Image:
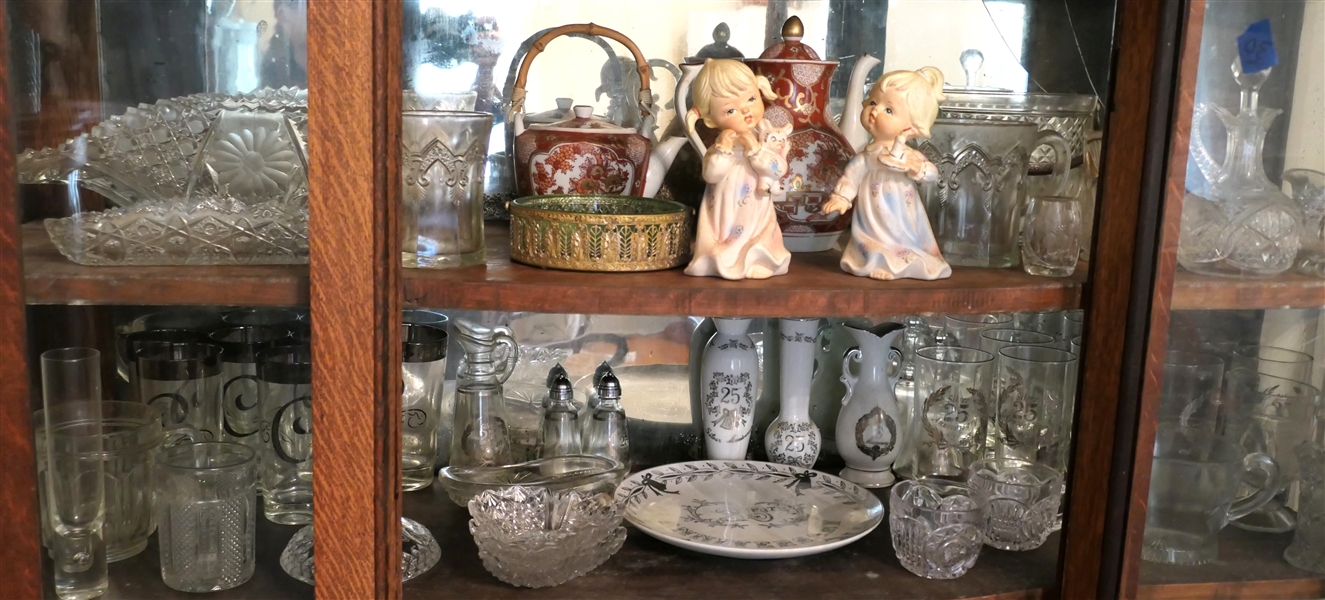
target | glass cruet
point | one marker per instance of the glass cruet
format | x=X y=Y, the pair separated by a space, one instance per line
x=561 y=421
x=1244 y=225
x=479 y=434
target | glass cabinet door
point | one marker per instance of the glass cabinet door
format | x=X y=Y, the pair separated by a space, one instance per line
x=162 y=197
x=513 y=119
x=1227 y=494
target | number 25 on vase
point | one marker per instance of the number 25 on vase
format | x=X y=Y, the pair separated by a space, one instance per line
x=729 y=384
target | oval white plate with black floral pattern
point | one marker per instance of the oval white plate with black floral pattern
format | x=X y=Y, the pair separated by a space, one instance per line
x=746 y=509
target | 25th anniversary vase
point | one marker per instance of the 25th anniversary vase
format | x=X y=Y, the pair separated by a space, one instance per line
x=729 y=384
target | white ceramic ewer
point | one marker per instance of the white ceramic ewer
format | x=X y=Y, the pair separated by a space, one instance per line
x=869 y=432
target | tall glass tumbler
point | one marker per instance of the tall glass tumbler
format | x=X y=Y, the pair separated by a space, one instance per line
x=183 y=381
x=964 y=330
x=993 y=340
x=1279 y=362
x=443 y=154
x=1033 y=388
x=285 y=390
x=1191 y=391
x=947 y=432
x=206 y=514
x=424 y=366
x=75 y=472
x=241 y=409
x=1051 y=236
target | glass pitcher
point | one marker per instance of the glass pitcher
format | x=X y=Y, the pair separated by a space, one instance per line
x=479 y=435
x=1244 y=225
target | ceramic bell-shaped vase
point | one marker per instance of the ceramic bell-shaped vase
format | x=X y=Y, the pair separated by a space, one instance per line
x=793 y=438
x=729 y=384
x=869 y=432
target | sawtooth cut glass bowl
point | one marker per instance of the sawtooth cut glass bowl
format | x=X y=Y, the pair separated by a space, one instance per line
x=531 y=537
x=420 y=548
x=583 y=473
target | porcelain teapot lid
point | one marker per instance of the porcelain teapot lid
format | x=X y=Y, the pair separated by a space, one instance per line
x=791 y=48
x=584 y=119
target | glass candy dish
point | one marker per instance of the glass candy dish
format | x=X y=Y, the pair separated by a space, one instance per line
x=420 y=548
x=583 y=473
x=533 y=537
x=202 y=231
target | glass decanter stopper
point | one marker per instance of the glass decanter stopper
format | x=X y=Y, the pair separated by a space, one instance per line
x=1242 y=225
x=608 y=436
x=561 y=422
x=479 y=437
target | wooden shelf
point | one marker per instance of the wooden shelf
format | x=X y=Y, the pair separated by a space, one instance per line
x=139 y=577
x=1251 y=565
x=648 y=568
x=1289 y=290
x=814 y=287
x=50 y=278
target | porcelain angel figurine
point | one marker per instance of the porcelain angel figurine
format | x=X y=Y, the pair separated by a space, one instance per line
x=890 y=233
x=738 y=235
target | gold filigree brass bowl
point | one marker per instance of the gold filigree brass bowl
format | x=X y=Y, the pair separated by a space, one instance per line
x=600 y=233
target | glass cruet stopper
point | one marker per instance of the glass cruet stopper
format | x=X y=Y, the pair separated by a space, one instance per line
x=561 y=425
x=608 y=435
x=1250 y=84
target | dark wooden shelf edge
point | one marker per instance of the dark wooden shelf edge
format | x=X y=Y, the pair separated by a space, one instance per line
x=1289 y=290
x=50 y=278
x=1250 y=590
x=816 y=286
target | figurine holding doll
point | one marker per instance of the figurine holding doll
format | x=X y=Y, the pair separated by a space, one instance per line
x=738 y=236
x=890 y=233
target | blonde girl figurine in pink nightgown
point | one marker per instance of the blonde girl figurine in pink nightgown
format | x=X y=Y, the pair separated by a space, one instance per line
x=737 y=236
x=890 y=234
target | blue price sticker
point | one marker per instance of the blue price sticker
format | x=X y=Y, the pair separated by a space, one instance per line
x=1256 y=48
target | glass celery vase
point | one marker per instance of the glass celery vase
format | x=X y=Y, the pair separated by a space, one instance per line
x=1244 y=226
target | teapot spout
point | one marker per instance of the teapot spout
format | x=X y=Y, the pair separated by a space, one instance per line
x=659 y=162
x=851 y=127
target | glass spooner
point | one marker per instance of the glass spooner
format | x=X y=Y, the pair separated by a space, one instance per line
x=420 y=548
x=1246 y=227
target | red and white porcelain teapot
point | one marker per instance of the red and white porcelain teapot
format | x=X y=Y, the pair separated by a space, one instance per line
x=585 y=154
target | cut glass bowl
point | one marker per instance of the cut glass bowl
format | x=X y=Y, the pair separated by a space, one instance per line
x=420 y=548
x=583 y=473
x=532 y=537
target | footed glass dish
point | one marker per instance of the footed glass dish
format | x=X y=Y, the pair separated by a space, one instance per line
x=533 y=537
x=583 y=473
x=420 y=548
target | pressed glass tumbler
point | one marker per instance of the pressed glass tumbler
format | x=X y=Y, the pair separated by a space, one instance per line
x=206 y=513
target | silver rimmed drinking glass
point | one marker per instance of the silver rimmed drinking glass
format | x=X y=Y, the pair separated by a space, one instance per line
x=964 y=330
x=285 y=389
x=241 y=409
x=443 y=157
x=936 y=526
x=1051 y=236
x=75 y=471
x=1022 y=499
x=424 y=366
x=947 y=430
x=1051 y=322
x=134 y=343
x=1279 y=362
x=268 y=317
x=183 y=381
x=1034 y=387
x=993 y=340
x=206 y=514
